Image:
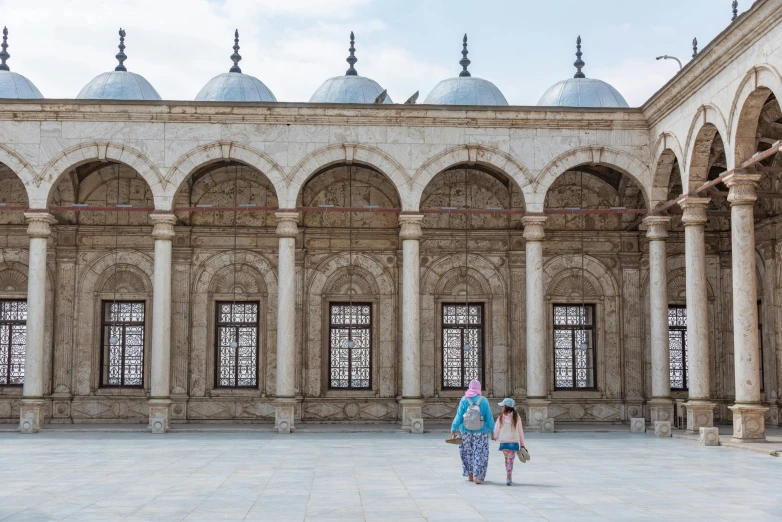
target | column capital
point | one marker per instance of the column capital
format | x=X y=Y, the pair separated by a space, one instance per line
x=533 y=227
x=39 y=224
x=287 y=223
x=410 y=226
x=163 y=226
x=694 y=211
x=742 y=188
x=657 y=227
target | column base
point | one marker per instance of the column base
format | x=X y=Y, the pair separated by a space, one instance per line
x=284 y=413
x=537 y=413
x=661 y=410
x=31 y=415
x=749 y=423
x=412 y=415
x=159 y=415
x=699 y=415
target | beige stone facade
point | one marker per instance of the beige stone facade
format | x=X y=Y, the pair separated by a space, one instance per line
x=176 y=158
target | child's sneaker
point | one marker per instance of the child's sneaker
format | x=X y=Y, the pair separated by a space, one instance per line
x=509 y=483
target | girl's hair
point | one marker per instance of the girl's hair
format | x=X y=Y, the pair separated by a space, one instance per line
x=508 y=409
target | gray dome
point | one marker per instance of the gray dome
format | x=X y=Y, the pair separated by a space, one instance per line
x=582 y=92
x=238 y=87
x=348 y=89
x=465 y=90
x=118 y=85
x=14 y=85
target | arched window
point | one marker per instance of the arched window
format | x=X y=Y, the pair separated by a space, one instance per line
x=13 y=341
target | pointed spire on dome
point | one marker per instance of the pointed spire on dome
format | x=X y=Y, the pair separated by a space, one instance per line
x=4 y=54
x=694 y=47
x=121 y=57
x=579 y=63
x=464 y=62
x=236 y=57
x=352 y=58
x=735 y=10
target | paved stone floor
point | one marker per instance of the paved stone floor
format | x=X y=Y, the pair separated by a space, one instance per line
x=371 y=476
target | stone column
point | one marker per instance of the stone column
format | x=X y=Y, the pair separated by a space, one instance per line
x=537 y=391
x=661 y=405
x=411 y=402
x=159 y=398
x=31 y=411
x=748 y=413
x=285 y=402
x=700 y=410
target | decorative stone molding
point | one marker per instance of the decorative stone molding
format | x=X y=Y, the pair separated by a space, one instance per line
x=163 y=226
x=748 y=423
x=537 y=412
x=742 y=188
x=410 y=226
x=533 y=228
x=411 y=411
x=661 y=410
x=694 y=211
x=31 y=414
x=547 y=425
x=709 y=436
x=662 y=429
x=638 y=425
x=39 y=224
x=417 y=426
x=287 y=224
x=699 y=415
x=284 y=413
x=657 y=227
x=159 y=415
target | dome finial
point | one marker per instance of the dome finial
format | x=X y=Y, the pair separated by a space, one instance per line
x=121 y=57
x=694 y=47
x=4 y=54
x=464 y=62
x=352 y=58
x=236 y=57
x=735 y=10
x=579 y=63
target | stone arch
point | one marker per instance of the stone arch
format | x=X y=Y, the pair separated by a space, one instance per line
x=124 y=279
x=571 y=283
x=460 y=281
x=667 y=152
x=328 y=279
x=467 y=155
x=756 y=86
x=325 y=157
x=708 y=121
x=623 y=162
x=99 y=151
x=199 y=157
x=23 y=170
x=562 y=271
x=13 y=278
x=212 y=281
x=436 y=276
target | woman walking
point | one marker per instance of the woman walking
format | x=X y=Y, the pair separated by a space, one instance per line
x=510 y=434
x=474 y=420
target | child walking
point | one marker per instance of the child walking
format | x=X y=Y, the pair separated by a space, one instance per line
x=510 y=434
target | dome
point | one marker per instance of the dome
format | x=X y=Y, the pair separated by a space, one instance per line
x=119 y=84
x=350 y=88
x=465 y=89
x=234 y=85
x=581 y=91
x=14 y=85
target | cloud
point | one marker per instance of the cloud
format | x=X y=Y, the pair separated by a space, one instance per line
x=638 y=79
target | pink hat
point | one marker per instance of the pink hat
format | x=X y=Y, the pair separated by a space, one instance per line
x=474 y=389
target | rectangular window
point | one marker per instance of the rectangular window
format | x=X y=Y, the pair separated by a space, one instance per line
x=677 y=345
x=574 y=347
x=350 y=346
x=123 y=344
x=237 y=345
x=760 y=346
x=13 y=341
x=462 y=345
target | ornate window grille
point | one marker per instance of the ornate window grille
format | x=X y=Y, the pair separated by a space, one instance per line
x=123 y=361
x=760 y=346
x=350 y=368
x=677 y=344
x=13 y=341
x=574 y=347
x=462 y=324
x=237 y=364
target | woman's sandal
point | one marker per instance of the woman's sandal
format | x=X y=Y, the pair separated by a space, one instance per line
x=478 y=481
x=470 y=477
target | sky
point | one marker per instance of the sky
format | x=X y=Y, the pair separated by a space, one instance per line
x=522 y=46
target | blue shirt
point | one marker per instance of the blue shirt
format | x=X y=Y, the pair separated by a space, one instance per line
x=488 y=419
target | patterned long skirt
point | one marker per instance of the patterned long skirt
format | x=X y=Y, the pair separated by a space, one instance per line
x=474 y=451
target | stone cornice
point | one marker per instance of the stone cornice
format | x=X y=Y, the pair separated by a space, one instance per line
x=736 y=38
x=518 y=117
